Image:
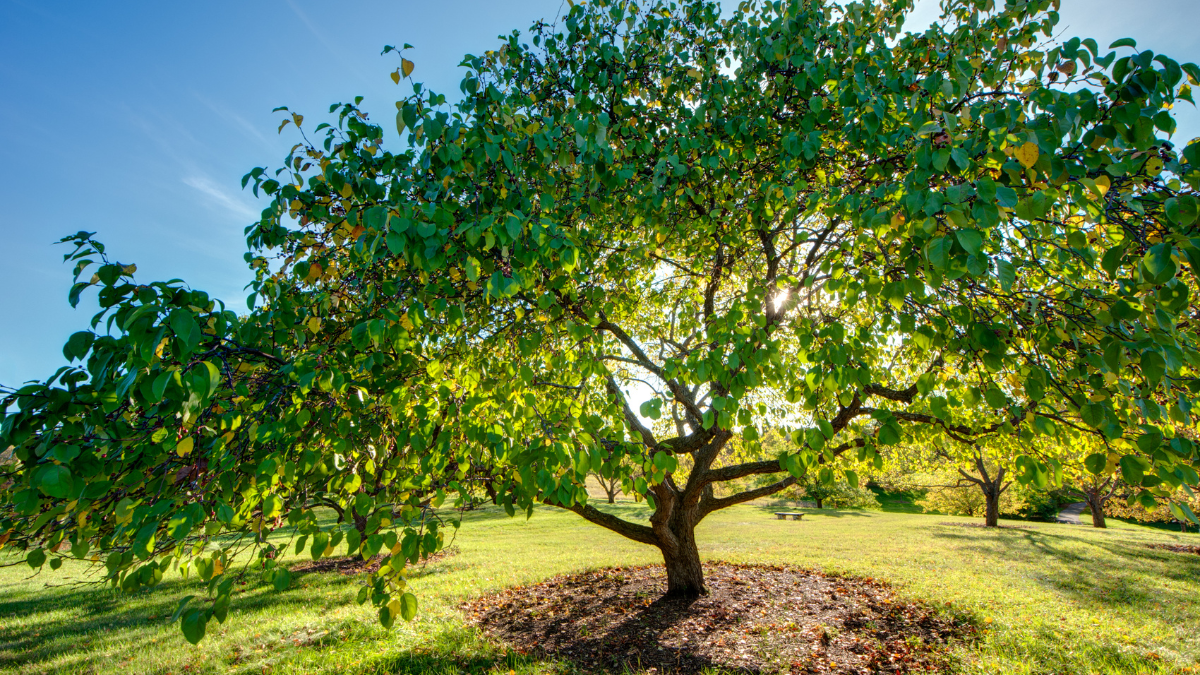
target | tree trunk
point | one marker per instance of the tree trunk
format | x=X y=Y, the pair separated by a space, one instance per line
x=685 y=575
x=611 y=499
x=819 y=501
x=991 y=516
x=1096 y=504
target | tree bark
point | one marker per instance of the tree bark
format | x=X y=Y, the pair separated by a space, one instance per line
x=991 y=516
x=992 y=489
x=685 y=574
x=819 y=501
x=1095 y=502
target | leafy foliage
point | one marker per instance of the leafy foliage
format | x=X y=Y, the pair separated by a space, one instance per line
x=949 y=493
x=795 y=218
x=835 y=495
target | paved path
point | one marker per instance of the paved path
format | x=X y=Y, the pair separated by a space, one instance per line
x=1070 y=515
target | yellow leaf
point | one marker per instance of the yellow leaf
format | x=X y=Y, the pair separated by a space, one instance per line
x=1110 y=379
x=314 y=324
x=1102 y=185
x=218 y=566
x=1027 y=155
x=396 y=548
x=407 y=66
x=897 y=219
x=185 y=446
x=394 y=607
x=298 y=118
x=396 y=77
x=347 y=190
x=406 y=322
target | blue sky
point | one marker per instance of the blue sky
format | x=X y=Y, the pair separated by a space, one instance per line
x=137 y=120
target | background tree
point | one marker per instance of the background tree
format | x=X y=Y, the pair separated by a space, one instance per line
x=951 y=493
x=794 y=218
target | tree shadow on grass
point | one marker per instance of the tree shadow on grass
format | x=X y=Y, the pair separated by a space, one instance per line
x=772 y=509
x=84 y=622
x=1117 y=577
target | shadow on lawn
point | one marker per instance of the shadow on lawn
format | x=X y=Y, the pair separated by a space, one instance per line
x=771 y=509
x=1105 y=580
x=101 y=622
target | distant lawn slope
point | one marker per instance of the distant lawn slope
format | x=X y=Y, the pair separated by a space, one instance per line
x=898 y=501
x=1051 y=598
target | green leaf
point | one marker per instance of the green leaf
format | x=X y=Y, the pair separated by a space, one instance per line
x=1131 y=470
x=78 y=345
x=1093 y=415
x=272 y=506
x=36 y=558
x=55 y=481
x=386 y=618
x=888 y=434
x=1159 y=263
x=1095 y=463
x=194 y=624
x=1123 y=42
x=1006 y=273
x=1111 y=261
x=408 y=606
x=970 y=240
x=1153 y=367
x=937 y=253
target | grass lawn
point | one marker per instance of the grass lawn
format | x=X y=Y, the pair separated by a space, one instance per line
x=1052 y=598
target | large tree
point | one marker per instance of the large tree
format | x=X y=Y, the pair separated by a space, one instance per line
x=797 y=217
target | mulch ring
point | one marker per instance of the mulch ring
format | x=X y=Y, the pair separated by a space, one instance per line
x=755 y=619
x=351 y=565
x=998 y=527
x=1178 y=548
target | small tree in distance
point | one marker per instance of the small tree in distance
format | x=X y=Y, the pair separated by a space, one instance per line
x=798 y=217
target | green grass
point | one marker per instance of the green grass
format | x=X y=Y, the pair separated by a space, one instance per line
x=1052 y=598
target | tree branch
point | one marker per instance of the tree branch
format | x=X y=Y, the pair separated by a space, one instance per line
x=639 y=533
x=707 y=506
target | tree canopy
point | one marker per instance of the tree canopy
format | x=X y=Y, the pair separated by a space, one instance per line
x=798 y=218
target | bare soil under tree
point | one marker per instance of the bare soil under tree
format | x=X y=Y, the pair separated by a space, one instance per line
x=755 y=619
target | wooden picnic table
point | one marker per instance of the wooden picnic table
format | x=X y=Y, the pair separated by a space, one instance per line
x=782 y=515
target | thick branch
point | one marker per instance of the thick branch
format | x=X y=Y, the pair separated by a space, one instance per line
x=742 y=470
x=639 y=533
x=707 y=506
x=632 y=419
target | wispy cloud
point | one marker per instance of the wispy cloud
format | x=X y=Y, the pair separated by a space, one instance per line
x=220 y=197
x=337 y=53
x=235 y=120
